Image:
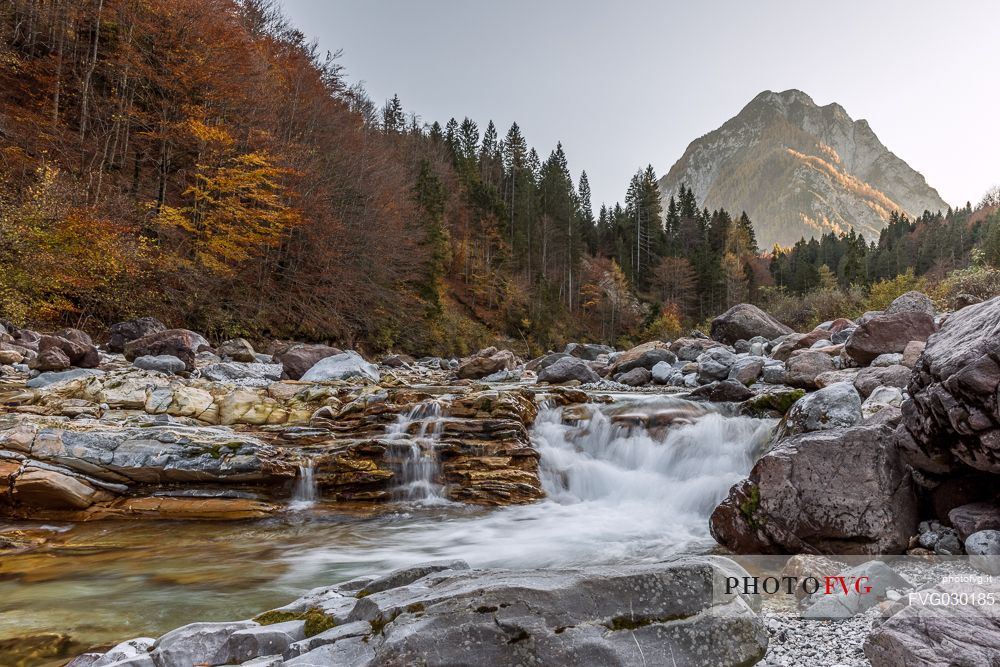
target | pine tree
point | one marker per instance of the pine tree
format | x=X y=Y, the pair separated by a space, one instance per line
x=393 y=118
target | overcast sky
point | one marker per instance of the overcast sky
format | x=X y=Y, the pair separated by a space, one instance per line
x=624 y=83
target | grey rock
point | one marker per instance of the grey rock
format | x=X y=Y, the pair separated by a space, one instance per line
x=952 y=420
x=983 y=548
x=545 y=361
x=689 y=349
x=566 y=369
x=663 y=373
x=835 y=406
x=151 y=455
x=802 y=368
x=658 y=614
x=644 y=356
x=835 y=491
x=242 y=373
x=51 y=378
x=408 y=575
x=747 y=369
x=265 y=640
x=889 y=332
x=342 y=367
x=587 y=351
x=881 y=398
x=773 y=373
x=746 y=321
x=714 y=364
x=637 y=377
x=162 y=363
x=874 y=579
x=911 y=301
x=348 y=652
x=132 y=648
x=297 y=358
x=512 y=375
x=197 y=643
x=726 y=391
x=333 y=635
x=588 y=616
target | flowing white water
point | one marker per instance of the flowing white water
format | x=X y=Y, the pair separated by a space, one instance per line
x=304 y=493
x=616 y=494
x=419 y=472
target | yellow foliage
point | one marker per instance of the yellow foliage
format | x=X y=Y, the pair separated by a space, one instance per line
x=237 y=210
x=57 y=258
x=884 y=292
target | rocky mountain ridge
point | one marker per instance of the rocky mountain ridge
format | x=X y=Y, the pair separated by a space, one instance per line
x=800 y=170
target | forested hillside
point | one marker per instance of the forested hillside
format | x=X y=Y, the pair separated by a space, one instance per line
x=201 y=160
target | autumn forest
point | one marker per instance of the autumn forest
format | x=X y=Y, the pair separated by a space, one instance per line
x=201 y=160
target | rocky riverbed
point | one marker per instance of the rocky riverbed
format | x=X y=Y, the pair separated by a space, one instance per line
x=860 y=438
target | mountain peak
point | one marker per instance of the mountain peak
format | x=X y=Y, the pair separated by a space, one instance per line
x=799 y=169
x=784 y=98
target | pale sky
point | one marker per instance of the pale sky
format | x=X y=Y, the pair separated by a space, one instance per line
x=629 y=82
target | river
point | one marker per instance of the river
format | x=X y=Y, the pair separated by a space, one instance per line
x=636 y=481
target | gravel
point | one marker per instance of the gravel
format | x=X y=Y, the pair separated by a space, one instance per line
x=799 y=642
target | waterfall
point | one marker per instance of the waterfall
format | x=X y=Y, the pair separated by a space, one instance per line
x=304 y=494
x=418 y=471
x=631 y=481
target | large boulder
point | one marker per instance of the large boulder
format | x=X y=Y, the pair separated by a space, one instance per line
x=637 y=377
x=298 y=358
x=803 y=367
x=745 y=321
x=154 y=455
x=342 y=366
x=835 y=406
x=839 y=491
x=125 y=332
x=567 y=369
x=161 y=363
x=242 y=373
x=912 y=302
x=952 y=420
x=487 y=362
x=676 y=613
x=180 y=343
x=888 y=332
x=50 y=360
x=645 y=356
x=79 y=352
